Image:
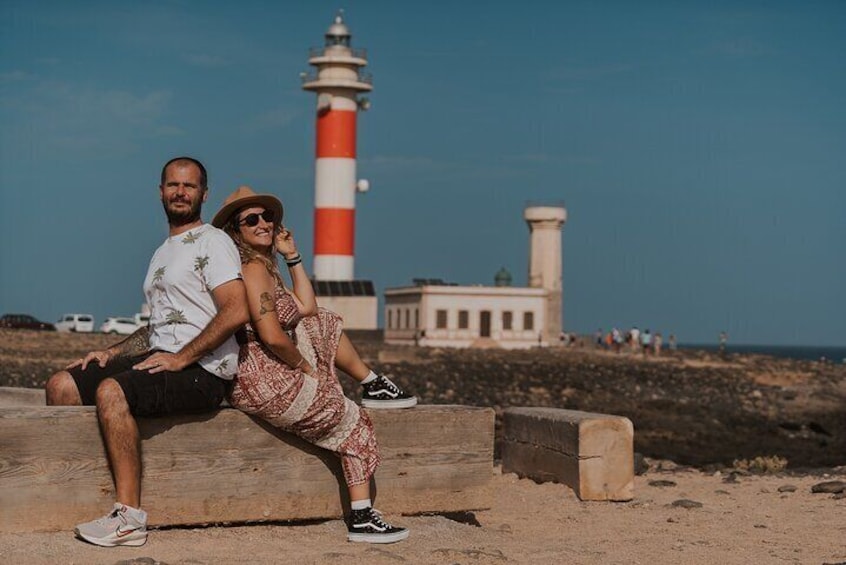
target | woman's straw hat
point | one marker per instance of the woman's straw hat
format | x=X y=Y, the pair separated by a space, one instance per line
x=245 y=197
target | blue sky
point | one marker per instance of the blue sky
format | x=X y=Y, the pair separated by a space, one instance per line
x=698 y=147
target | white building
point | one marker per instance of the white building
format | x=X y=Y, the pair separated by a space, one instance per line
x=438 y=314
x=441 y=315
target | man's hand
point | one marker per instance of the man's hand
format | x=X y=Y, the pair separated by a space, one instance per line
x=102 y=357
x=161 y=361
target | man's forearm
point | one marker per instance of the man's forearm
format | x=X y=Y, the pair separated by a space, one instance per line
x=136 y=344
x=223 y=325
x=232 y=313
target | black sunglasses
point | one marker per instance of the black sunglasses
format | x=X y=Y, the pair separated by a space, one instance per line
x=252 y=219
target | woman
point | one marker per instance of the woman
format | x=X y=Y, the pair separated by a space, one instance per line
x=289 y=351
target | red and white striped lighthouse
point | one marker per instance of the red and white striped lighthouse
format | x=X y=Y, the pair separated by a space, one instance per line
x=338 y=80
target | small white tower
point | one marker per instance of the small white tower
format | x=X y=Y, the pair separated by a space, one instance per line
x=337 y=82
x=545 y=261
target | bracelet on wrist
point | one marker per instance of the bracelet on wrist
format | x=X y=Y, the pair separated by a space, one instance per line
x=294 y=260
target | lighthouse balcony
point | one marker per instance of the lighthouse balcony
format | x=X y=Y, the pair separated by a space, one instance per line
x=361 y=82
x=338 y=51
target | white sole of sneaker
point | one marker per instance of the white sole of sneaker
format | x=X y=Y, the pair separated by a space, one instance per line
x=402 y=403
x=378 y=538
x=130 y=540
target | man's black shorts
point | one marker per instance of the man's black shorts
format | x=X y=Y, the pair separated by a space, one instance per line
x=153 y=394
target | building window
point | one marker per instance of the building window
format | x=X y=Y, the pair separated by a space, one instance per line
x=463 y=319
x=407 y=318
x=416 y=318
x=528 y=320
x=390 y=318
x=441 y=319
x=507 y=320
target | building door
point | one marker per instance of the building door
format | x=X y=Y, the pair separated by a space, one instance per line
x=485 y=323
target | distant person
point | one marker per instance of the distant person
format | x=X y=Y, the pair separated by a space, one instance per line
x=646 y=341
x=723 y=341
x=598 y=338
x=289 y=351
x=617 y=338
x=180 y=363
x=657 y=342
x=634 y=334
x=671 y=342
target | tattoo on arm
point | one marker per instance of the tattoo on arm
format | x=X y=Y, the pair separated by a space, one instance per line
x=267 y=304
x=136 y=344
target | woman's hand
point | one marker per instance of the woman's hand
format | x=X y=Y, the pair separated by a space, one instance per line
x=285 y=244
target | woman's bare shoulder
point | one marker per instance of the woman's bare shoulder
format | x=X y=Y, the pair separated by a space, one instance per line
x=256 y=272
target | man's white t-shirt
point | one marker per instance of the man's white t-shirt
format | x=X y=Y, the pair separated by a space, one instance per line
x=183 y=272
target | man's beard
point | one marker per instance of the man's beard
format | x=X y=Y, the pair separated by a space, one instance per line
x=183 y=217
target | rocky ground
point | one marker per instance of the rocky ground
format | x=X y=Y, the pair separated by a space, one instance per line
x=758 y=447
x=691 y=407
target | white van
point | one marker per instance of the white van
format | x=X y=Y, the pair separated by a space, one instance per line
x=75 y=323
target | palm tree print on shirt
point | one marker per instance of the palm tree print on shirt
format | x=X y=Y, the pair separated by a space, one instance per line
x=222 y=366
x=190 y=238
x=200 y=263
x=158 y=275
x=174 y=318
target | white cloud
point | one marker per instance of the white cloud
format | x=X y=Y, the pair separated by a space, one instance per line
x=81 y=119
x=549 y=159
x=14 y=76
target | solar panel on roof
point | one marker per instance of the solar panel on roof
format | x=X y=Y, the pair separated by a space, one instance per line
x=343 y=288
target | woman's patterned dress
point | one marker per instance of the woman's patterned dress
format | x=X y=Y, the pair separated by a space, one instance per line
x=312 y=407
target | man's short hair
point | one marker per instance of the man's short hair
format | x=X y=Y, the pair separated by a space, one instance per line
x=204 y=180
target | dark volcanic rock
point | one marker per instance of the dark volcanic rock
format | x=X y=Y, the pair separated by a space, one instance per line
x=640 y=464
x=829 y=487
x=686 y=503
x=691 y=407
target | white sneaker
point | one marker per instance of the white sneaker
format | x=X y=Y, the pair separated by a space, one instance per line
x=123 y=526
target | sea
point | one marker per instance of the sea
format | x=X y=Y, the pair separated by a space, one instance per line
x=832 y=354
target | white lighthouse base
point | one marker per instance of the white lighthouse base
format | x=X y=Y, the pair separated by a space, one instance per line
x=354 y=300
x=358 y=312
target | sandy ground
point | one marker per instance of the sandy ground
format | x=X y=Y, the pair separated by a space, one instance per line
x=745 y=522
x=692 y=408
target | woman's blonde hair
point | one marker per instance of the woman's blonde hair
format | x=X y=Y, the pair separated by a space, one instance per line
x=249 y=254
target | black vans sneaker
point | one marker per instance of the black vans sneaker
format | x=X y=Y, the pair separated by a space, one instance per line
x=382 y=393
x=367 y=526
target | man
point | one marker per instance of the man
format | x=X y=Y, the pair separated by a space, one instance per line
x=179 y=363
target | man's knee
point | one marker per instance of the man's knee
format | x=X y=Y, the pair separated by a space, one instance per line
x=110 y=396
x=61 y=390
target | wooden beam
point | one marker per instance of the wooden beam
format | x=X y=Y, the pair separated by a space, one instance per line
x=15 y=396
x=591 y=453
x=227 y=467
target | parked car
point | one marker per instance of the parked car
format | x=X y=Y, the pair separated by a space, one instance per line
x=25 y=322
x=76 y=323
x=123 y=326
x=142 y=320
